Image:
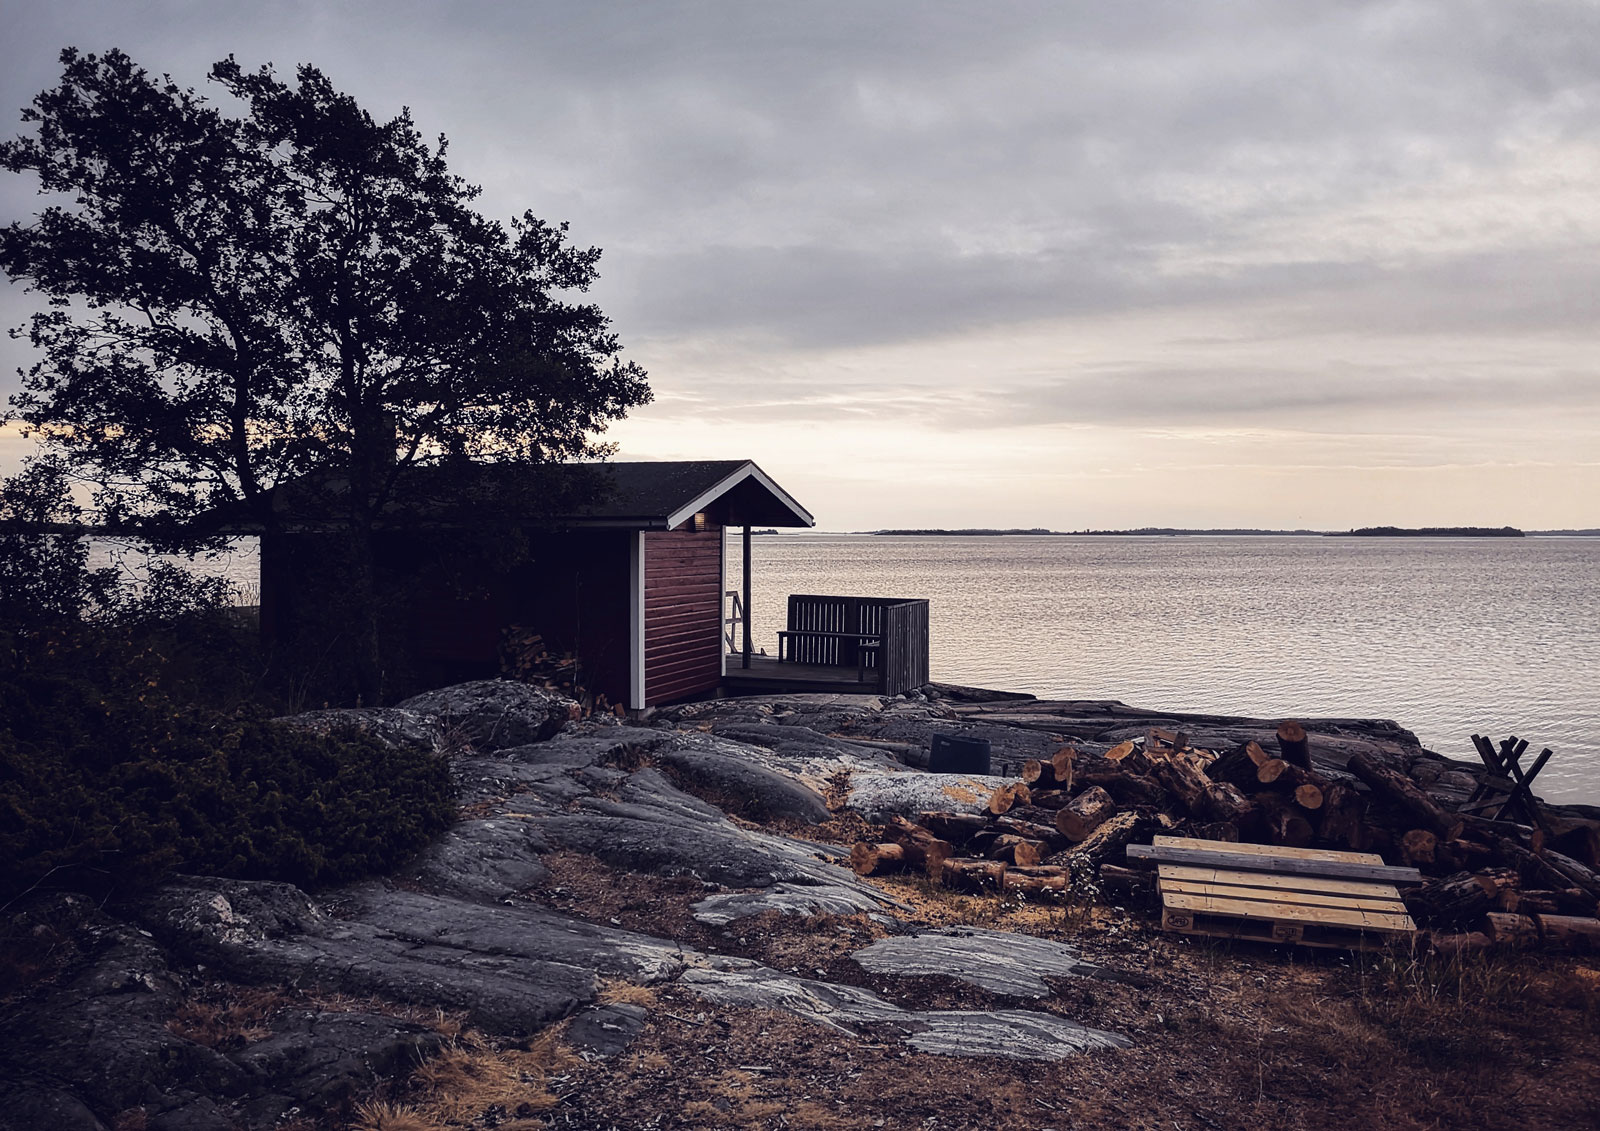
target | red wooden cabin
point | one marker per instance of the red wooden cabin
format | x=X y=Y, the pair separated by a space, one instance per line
x=631 y=581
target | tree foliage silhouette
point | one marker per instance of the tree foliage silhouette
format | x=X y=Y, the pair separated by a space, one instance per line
x=234 y=300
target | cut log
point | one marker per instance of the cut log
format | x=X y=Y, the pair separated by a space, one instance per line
x=1017 y=850
x=1309 y=797
x=1127 y=882
x=1309 y=788
x=1462 y=900
x=966 y=874
x=1005 y=796
x=1126 y=789
x=870 y=859
x=1023 y=821
x=1576 y=873
x=1417 y=848
x=1209 y=800
x=1567 y=901
x=1469 y=942
x=1107 y=842
x=1281 y=823
x=1037 y=881
x=1340 y=817
x=1161 y=744
x=1054 y=772
x=1396 y=789
x=1213 y=830
x=1294 y=746
x=1578 y=839
x=1533 y=871
x=1120 y=751
x=922 y=849
x=1129 y=758
x=957 y=828
x=1558 y=932
x=1085 y=813
x=1237 y=767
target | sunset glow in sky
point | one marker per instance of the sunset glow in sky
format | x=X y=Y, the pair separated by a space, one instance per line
x=1168 y=264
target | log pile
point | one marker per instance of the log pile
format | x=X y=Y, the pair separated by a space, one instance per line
x=1073 y=814
x=525 y=657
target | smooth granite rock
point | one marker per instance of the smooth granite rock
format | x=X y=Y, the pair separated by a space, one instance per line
x=493 y=714
x=998 y=961
x=1013 y=1033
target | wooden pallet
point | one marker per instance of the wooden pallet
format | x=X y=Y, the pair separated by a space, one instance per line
x=1238 y=902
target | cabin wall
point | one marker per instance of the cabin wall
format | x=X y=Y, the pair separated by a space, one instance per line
x=682 y=613
x=446 y=614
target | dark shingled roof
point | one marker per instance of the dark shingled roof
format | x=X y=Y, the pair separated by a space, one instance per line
x=638 y=494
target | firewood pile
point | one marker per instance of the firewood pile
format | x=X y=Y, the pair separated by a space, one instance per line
x=1072 y=816
x=524 y=657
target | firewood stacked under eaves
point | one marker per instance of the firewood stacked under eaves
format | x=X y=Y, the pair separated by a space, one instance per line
x=1073 y=814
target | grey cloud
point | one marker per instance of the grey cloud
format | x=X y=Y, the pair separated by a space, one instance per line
x=817 y=175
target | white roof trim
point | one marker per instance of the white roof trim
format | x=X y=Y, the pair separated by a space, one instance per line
x=748 y=471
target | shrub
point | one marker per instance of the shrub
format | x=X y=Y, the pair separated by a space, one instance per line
x=107 y=782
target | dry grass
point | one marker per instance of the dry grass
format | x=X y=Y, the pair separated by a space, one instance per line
x=236 y=1016
x=619 y=992
x=473 y=1079
x=380 y=1115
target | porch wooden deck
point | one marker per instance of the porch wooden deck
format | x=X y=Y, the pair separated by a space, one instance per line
x=768 y=674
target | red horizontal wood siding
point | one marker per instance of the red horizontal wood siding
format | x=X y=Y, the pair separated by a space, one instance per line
x=682 y=614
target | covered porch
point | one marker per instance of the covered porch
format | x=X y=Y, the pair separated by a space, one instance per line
x=830 y=643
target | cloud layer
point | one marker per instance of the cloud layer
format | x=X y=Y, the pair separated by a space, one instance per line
x=979 y=234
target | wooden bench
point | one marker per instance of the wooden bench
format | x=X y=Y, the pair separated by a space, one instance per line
x=1308 y=896
x=867 y=644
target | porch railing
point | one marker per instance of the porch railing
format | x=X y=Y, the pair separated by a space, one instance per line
x=888 y=635
x=730 y=626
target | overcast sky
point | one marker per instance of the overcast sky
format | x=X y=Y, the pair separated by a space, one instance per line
x=1089 y=265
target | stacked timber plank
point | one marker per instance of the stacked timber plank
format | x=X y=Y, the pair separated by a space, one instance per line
x=1313 y=897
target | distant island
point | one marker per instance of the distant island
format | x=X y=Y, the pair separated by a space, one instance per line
x=1234 y=532
x=1437 y=532
x=1165 y=531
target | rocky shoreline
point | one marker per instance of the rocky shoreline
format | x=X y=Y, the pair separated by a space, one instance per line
x=719 y=795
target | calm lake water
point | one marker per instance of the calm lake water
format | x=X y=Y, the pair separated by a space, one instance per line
x=1449 y=637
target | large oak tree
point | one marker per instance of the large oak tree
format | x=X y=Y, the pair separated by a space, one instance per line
x=240 y=295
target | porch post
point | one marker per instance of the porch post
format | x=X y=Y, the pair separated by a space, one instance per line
x=746 y=564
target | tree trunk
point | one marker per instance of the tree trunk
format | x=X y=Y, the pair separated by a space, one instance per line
x=363 y=596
